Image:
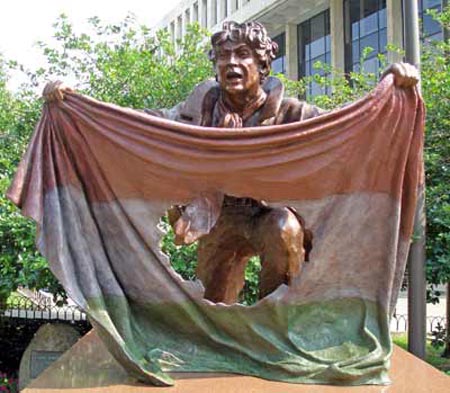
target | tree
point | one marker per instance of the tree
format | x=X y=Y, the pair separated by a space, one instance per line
x=20 y=263
x=436 y=93
x=127 y=65
x=120 y=64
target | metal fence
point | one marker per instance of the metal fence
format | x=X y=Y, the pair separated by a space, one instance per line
x=26 y=308
x=21 y=317
x=399 y=323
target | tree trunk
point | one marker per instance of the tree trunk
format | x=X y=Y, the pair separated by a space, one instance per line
x=446 y=353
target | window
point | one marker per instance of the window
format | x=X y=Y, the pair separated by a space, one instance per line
x=213 y=13
x=172 y=31
x=224 y=9
x=279 y=63
x=179 y=27
x=195 y=13
x=365 y=26
x=430 y=29
x=204 y=21
x=314 y=46
x=187 y=20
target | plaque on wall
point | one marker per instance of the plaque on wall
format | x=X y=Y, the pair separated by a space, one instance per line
x=40 y=360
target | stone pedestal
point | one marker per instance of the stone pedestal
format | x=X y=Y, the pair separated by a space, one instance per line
x=49 y=343
x=88 y=367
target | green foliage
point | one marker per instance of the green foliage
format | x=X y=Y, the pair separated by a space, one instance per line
x=126 y=65
x=182 y=258
x=343 y=88
x=250 y=293
x=436 y=93
x=117 y=63
x=20 y=263
x=8 y=384
x=439 y=337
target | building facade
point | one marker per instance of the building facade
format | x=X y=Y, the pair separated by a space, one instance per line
x=334 y=32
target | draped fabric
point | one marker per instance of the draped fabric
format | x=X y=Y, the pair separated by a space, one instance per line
x=97 y=178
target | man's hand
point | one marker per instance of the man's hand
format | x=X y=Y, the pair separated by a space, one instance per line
x=54 y=91
x=173 y=214
x=405 y=75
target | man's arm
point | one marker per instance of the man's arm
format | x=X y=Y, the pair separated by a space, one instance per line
x=171 y=114
x=292 y=110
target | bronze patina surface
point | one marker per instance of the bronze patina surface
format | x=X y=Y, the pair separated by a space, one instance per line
x=97 y=178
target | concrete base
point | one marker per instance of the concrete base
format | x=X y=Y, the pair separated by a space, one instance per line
x=88 y=367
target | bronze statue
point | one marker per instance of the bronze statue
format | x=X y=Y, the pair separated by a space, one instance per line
x=244 y=95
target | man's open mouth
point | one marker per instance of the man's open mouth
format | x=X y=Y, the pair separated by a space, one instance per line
x=233 y=75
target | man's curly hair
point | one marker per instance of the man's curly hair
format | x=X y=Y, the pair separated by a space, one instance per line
x=253 y=34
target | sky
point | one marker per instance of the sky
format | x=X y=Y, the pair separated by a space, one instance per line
x=24 y=22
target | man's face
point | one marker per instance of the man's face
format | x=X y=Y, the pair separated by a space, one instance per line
x=237 y=68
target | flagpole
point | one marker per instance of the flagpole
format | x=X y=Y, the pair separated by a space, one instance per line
x=416 y=259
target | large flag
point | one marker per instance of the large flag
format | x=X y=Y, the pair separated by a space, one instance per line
x=97 y=178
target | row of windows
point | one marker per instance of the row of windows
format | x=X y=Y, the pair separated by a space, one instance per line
x=219 y=9
x=430 y=29
x=365 y=25
x=314 y=34
x=279 y=63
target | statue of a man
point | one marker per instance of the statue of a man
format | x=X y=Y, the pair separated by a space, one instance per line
x=244 y=95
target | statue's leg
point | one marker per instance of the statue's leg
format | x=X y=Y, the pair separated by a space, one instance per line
x=222 y=257
x=280 y=239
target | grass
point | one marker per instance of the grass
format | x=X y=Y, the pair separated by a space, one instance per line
x=433 y=355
